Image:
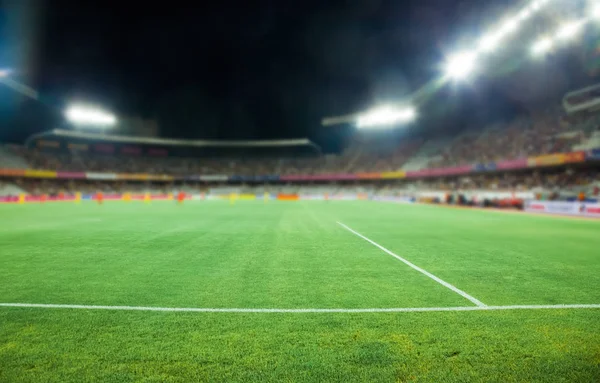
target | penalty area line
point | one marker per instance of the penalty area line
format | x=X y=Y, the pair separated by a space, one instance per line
x=422 y=271
x=302 y=311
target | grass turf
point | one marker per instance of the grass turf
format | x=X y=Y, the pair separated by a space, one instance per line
x=294 y=255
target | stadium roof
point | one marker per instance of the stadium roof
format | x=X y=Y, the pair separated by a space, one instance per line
x=62 y=133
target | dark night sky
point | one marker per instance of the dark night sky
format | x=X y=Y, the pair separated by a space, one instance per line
x=241 y=69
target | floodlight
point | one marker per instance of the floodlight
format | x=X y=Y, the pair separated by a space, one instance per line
x=4 y=73
x=90 y=116
x=569 y=30
x=509 y=27
x=386 y=115
x=536 y=5
x=489 y=43
x=524 y=14
x=596 y=12
x=542 y=46
x=461 y=65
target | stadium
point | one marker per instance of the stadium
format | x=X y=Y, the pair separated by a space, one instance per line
x=406 y=256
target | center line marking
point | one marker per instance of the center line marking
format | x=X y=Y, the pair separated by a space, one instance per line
x=427 y=273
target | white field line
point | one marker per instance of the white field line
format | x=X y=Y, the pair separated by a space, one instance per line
x=427 y=273
x=301 y=311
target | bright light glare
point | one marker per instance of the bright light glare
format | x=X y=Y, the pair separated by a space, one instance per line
x=509 y=27
x=596 y=12
x=542 y=46
x=489 y=43
x=386 y=115
x=461 y=65
x=570 y=30
x=536 y=5
x=4 y=73
x=524 y=14
x=86 y=115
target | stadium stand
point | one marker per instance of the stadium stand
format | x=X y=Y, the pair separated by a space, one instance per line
x=547 y=152
x=10 y=188
x=427 y=153
x=545 y=131
x=13 y=157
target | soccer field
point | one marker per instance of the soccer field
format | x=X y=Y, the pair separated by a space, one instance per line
x=296 y=291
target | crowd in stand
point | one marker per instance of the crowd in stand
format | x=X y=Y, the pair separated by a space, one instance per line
x=35 y=186
x=564 y=182
x=549 y=131
x=545 y=132
x=357 y=158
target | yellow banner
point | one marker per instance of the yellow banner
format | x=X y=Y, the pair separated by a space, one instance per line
x=48 y=144
x=390 y=175
x=40 y=173
x=132 y=176
x=550 y=159
x=234 y=196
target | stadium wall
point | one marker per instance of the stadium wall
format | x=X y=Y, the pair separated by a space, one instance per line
x=580 y=209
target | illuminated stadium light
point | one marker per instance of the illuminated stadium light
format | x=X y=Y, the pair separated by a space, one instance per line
x=386 y=116
x=524 y=14
x=537 y=4
x=542 y=47
x=90 y=116
x=509 y=27
x=489 y=43
x=569 y=30
x=596 y=12
x=461 y=65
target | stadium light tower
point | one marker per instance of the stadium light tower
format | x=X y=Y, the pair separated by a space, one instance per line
x=464 y=64
x=596 y=12
x=385 y=116
x=90 y=116
x=489 y=43
x=461 y=65
x=542 y=47
x=569 y=30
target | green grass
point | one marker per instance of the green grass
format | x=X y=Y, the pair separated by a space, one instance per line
x=294 y=255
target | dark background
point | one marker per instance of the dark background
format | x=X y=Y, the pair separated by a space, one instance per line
x=268 y=68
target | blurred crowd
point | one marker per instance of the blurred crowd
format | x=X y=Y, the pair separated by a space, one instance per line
x=546 y=132
x=563 y=180
x=359 y=157
x=35 y=186
x=558 y=182
x=543 y=132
